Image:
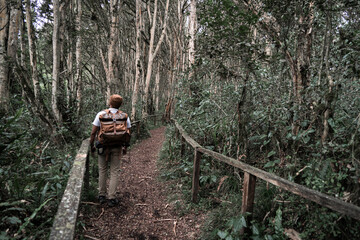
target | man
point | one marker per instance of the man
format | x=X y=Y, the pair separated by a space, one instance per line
x=111 y=156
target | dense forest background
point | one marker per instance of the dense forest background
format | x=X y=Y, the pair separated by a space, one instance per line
x=272 y=83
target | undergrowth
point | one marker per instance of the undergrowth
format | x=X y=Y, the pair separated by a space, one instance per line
x=276 y=213
x=33 y=176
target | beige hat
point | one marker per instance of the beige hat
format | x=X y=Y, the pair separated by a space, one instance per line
x=115 y=101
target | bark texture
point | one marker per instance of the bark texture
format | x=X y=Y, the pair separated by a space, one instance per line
x=4 y=80
x=78 y=77
x=56 y=62
x=137 y=59
x=32 y=51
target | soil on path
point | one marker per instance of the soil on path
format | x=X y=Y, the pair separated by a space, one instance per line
x=143 y=211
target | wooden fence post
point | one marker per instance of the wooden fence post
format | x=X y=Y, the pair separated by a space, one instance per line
x=196 y=175
x=182 y=151
x=248 y=197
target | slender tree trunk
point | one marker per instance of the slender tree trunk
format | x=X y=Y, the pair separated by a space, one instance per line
x=32 y=51
x=78 y=76
x=13 y=38
x=111 y=46
x=152 y=53
x=70 y=59
x=70 y=76
x=194 y=88
x=324 y=44
x=22 y=42
x=157 y=88
x=330 y=96
x=56 y=63
x=241 y=111
x=172 y=58
x=304 y=50
x=14 y=25
x=181 y=35
x=137 y=60
x=4 y=80
x=192 y=33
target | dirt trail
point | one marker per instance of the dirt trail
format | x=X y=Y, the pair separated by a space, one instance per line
x=143 y=212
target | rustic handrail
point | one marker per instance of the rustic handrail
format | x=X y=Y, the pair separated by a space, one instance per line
x=65 y=220
x=251 y=173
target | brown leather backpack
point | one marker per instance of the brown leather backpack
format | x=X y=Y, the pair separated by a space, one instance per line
x=113 y=129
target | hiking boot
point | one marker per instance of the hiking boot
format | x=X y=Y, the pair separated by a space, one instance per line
x=113 y=202
x=102 y=199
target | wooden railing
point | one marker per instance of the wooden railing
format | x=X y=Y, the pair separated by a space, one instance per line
x=65 y=220
x=250 y=175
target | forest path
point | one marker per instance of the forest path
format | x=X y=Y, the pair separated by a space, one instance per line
x=143 y=212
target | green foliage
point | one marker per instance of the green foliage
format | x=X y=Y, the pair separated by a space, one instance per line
x=234 y=226
x=242 y=105
x=33 y=175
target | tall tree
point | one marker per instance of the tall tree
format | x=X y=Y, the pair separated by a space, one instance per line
x=153 y=52
x=32 y=51
x=4 y=80
x=114 y=22
x=192 y=33
x=194 y=88
x=330 y=96
x=56 y=62
x=78 y=76
x=135 y=91
x=157 y=88
x=14 y=27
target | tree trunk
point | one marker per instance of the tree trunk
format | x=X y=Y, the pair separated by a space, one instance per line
x=56 y=63
x=70 y=75
x=304 y=50
x=172 y=66
x=157 y=88
x=137 y=60
x=194 y=88
x=14 y=25
x=78 y=77
x=4 y=80
x=323 y=52
x=13 y=36
x=192 y=33
x=70 y=60
x=22 y=41
x=32 y=51
x=330 y=97
x=111 y=46
x=152 y=53
x=181 y=35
